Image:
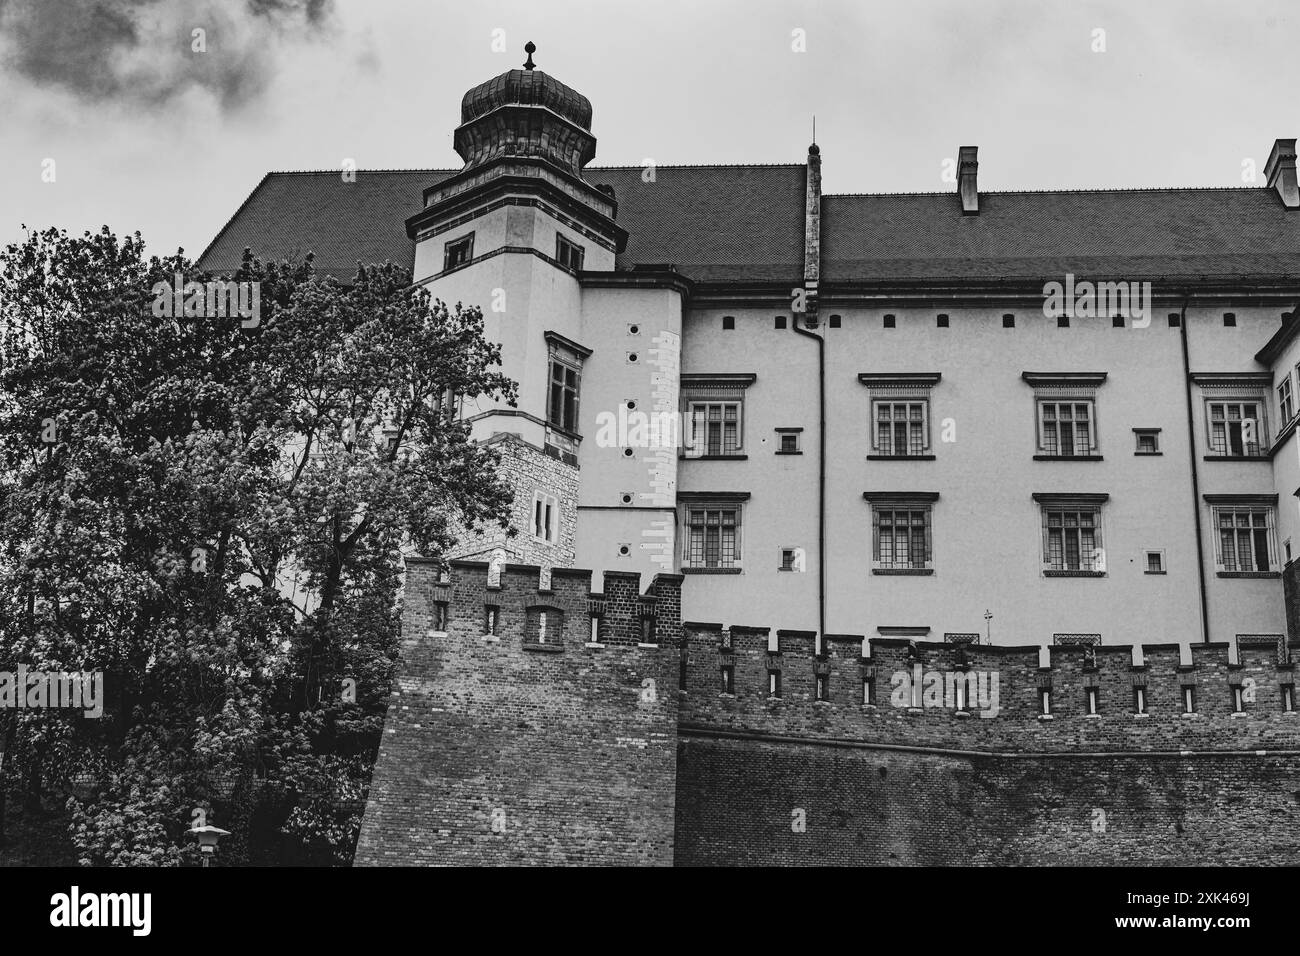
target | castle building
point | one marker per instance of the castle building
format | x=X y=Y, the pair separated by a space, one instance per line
x=1045 y=417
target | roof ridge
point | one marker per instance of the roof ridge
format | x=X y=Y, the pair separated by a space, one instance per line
x=1057 y=192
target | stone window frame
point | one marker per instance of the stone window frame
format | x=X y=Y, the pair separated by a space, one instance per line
x=453 y=246
x=541 y=499
x=900 y=388
x=1235 y=388
x=703 y=389
x=573 y=258
x=1245 y=503
x=1069 y=388
x=569 y=356
x=910 y=501
x=1050 y=502
x=712 y=501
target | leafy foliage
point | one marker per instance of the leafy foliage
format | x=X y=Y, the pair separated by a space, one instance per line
x=213 y=513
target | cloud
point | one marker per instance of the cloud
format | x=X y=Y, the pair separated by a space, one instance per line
x=142 y=52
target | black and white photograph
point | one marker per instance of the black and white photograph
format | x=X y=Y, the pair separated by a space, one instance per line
x=719 y=435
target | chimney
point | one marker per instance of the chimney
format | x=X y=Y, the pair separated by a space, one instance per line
x=1280 y=170
x=966 y=169
x=812 y=236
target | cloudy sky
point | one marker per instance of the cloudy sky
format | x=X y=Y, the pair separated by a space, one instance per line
x=148 y=134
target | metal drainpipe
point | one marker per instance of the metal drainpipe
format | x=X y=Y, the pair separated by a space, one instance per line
x=821 y=481
x=1196 y=483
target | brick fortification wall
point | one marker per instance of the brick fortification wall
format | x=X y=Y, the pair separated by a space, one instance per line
x=530 y=746
x=800 y=781
x=537 y=745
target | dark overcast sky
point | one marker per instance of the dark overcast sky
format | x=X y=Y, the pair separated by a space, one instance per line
x=147 y=135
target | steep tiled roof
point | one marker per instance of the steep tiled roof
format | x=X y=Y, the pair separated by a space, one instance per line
x=745 y=223
x=1130 y=233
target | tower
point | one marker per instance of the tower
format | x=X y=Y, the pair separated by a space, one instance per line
x=522 y=233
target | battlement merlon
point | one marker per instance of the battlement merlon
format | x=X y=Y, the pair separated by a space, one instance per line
x=625 y=615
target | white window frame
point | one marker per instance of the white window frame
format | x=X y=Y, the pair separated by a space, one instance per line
x=1261 y=426
x=697 y=444
x=1222 y=564
x=1285 y=400
x=689 y=509
x=926 y=510
x=1090 y=560
x=906 y=401
x=545 y=506
x=1041 y=403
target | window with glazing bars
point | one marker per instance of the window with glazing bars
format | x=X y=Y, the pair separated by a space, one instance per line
x=902 y=537
x=1229 y=432
x=900 y=428
x=1244 y=539
x=564 y=396
x=1073 y=537
x=1285 y=402
x=712 y=537
x=715 y=428
x=1066 y=428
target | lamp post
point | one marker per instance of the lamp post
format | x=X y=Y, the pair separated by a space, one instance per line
x=208 y=838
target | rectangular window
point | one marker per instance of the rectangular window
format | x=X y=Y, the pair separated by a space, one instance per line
x=901 y=428
x=822 y=686
x=789 y=443
x=902 y=538
x=774 y=683
x=868 y=691
x=1091 y=700
x=491 y=618
x=648 y=630
x=457 y=252
x=1237 y=703
x=1155 y=562
x=715 y=428
x=1285 y=401
x=1245 y=541
x=787 y=559
x=1139 y=700
x=1073 y=539
x=568 y=254
x=1236 y=429
x=563 y=412
x=546 y=517
x=440 y=616
x=728 y=679
x=1189 y=699
x=595 y=628
x=712 y=537
x=1045 y=699
x=1066 y=429
x=1148 y=441
x=1288 y=697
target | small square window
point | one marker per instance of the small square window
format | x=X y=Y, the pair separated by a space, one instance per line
x=835 y=321
x=728 y=322
x=1062 y=321
x=941 y=321
x=1229 y=320
x=787 y=559
x=780 y=321
x=889 y=322
x=1117 y=322
x=787 y=442
x=568 y=254
x=1155 y=562
x=1008 y=321
x=458 y=252
x=1175 y=320
x=1148 y=441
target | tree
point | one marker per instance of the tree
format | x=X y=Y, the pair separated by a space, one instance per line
x=212 y=509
